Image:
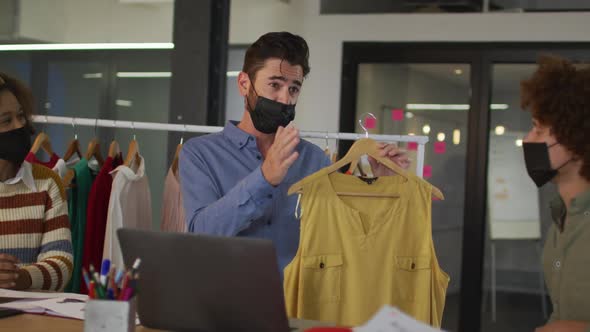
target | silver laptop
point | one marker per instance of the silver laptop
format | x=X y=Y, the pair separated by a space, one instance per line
x=205 y=283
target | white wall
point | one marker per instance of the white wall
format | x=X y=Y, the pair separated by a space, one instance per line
x=95 y=21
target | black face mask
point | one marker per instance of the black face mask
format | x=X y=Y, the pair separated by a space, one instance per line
x=538 y=165
x=268 y=114
x=15 y=144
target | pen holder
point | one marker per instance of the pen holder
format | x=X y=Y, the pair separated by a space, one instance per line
x=108 y=315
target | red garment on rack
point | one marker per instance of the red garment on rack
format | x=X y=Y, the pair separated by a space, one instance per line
x=96 y=216
x=49 y=164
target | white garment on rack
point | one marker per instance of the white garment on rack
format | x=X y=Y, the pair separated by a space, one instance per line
x=129 y=207
x=60 y=168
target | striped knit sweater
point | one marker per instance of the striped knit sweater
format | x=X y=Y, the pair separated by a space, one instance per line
x=34 y=227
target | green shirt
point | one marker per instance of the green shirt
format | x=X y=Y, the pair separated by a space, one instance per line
x=566 y=259
x=77 y=207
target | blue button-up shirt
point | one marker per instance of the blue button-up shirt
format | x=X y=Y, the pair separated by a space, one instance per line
x=225 y=193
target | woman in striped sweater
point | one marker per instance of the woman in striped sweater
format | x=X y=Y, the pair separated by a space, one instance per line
x=35 y=238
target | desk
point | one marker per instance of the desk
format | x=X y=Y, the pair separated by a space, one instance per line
x=43 y=323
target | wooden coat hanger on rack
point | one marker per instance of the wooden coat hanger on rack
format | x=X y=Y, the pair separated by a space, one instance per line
x=365 y=146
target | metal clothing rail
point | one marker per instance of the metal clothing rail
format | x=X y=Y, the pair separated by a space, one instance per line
x=120 y=124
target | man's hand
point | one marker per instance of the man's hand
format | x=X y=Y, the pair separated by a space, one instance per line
x=395 y=154
x=8 y=271
x=564 y=326
x=281 y=155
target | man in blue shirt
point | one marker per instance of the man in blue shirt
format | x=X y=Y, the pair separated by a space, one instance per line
x=235 y=182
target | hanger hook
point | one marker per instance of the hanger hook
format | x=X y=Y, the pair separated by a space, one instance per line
x=74 y=128
x=182 y=136
x=133 y=128
x=327 y=142
x=362 y=119
x=114 y=129
x=46 y=122
x=95 y=126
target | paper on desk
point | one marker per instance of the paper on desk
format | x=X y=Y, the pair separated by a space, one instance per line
x=62 y=307
x=12 y=294
x=390 y=319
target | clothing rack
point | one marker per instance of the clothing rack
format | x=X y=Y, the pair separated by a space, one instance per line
x=120 y=124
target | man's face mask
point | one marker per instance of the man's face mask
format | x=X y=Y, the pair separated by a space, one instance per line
x=267 y=115
x=538 y=164
x=15 y=144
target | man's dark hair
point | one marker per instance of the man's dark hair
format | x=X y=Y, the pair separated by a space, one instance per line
x=281 y=45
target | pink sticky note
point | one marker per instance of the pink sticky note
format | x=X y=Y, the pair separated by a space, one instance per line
x=412 y=146
x=370 y=123
x=427 y=173
x=397 y=115
x=440 y=147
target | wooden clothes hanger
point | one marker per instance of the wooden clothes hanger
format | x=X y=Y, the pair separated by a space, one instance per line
x=73 y=148
x=42 y=141
x=132 y=151
x=114 y=149
x=94 y=151
x=175 y=161
x=365 y=146
x=94 y=148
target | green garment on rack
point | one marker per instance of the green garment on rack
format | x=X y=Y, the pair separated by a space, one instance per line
x=77 y=205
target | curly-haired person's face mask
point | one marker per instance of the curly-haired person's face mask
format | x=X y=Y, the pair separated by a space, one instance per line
x=544 y=157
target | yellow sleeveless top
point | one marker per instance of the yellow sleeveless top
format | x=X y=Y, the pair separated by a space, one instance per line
x=357 y=254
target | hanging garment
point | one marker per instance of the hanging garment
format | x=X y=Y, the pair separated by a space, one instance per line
x=32 y=158
x=357 y=254
x=77 y=205
x=96 y=215
x=57 y=164
x=129 y=207
x=172 y=209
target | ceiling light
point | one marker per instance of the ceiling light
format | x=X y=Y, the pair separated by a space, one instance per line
x=437 y=107
x=124 y=103
x=450 y=107
x=458 y=71
x=409 y=115
x=233 y=73
x=92 y=75
x=144 y=74
x=88 y=46
x=518 y=142
x=426 y=129
x=411 y=134
x=440 y=137
x=499 y=106
x=500 y=130
x=456 y=136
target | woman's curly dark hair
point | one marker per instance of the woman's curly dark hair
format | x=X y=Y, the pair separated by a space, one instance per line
x=22 y=93
x=558 y=96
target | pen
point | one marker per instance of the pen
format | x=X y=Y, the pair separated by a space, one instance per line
x=135 y=265
x=86 y=279
x=98 y=287
x=91 y=293
x=124 y=285
x=119 y=276
x=106 y=265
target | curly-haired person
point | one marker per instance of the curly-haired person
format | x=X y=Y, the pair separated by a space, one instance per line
x=35 y=238
x=557 y=149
